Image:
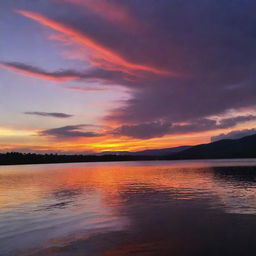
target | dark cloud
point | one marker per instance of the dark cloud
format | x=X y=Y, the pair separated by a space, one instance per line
x=182 y=102
x=63 y=75
x=70 y=131
x=159 y=129
x=209 y=124
x=144 y=131
x=229 y=122
x=50 y=114
x=234 y=134
x=213 y=45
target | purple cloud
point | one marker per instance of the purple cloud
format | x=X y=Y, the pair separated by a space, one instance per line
x=49 y=114
x=234 y=134
x=159 y=129
x=62 y=75
x=144 y=131
x=69 y=131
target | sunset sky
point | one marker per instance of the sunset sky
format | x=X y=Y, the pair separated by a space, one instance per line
x=108 y=75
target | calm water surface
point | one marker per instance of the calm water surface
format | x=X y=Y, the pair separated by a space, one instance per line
x=129 y=208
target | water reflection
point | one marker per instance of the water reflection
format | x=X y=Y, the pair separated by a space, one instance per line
x=236 y=188
x=142 y=208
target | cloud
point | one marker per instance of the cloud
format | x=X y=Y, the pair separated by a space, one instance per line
x=61 y=75
x=229 y=122
x=49 y=114
x=159 y=129
x=101 y=54
x=218 y=57
x=234 y=134
x=182 y=102
x=205 y=124
x=69 y=131
x=144 y=131
x=111 y=11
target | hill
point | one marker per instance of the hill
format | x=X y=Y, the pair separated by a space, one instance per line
x=228 y=148
x=149 y=152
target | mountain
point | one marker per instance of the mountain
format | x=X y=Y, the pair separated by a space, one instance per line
x=149 y=152
x=115 y=153
x=228 y=148
x=160 y=152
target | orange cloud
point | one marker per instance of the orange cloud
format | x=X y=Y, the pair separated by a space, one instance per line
x=100 y=52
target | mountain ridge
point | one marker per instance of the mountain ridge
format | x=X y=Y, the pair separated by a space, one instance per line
x=226 y=148
x=147 y=152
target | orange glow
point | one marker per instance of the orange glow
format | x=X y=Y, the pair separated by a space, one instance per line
x=101 y=51
x=108 y=142
x=6 y=132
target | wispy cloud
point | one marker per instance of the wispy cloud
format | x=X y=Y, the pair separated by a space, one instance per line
x=49 y=114
x=62 y=75
x=102 y=55
x=28 y=70
x=69 y=132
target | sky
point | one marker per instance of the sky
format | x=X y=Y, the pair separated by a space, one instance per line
x=115 y=75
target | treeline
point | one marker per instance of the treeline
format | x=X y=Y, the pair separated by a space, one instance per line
x=31 y=158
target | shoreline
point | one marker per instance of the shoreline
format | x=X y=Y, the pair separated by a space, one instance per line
x=126 y=160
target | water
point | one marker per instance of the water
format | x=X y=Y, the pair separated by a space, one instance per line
x=129 y=208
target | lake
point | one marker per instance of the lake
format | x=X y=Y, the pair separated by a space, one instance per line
x=129 y=208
